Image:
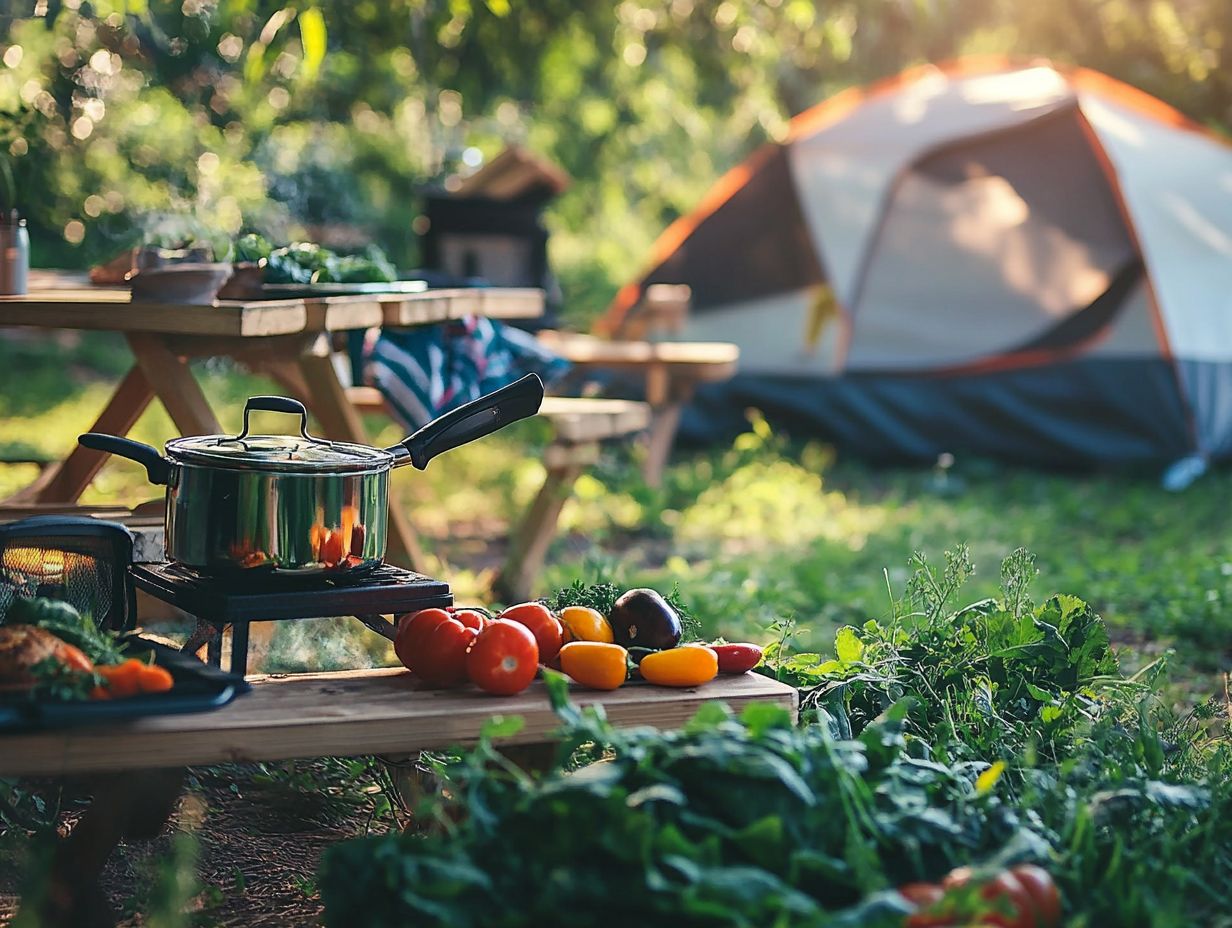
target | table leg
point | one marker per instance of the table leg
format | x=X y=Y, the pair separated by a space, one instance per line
x=213 y=647
x=132 y=805
x=205 y=633
x=66 y=481
x=173 y=382
x=667 y=398
x=529 y=544
x=328 y=402
x=239 y=648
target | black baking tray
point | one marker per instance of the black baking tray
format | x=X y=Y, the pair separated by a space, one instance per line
x=198 y=688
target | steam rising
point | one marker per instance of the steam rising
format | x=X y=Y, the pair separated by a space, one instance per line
x=316 y=644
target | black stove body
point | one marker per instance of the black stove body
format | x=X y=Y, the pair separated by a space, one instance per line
x=218 y=601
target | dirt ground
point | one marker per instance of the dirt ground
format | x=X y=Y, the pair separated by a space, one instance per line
x=258 y=846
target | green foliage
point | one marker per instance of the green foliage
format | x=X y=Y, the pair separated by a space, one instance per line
x=53 y=680
x=752 y=820
x=994 y=679
x=308 y=262
x=324 y=117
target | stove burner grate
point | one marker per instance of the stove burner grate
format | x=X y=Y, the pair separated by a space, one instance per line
x=218 y=601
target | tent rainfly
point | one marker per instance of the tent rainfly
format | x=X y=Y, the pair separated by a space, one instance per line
x=1028 y=262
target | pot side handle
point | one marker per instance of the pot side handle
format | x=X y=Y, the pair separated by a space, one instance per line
x=478 y=418
x=157 y=467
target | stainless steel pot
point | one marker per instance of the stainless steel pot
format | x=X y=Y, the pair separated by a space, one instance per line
x=297 y=504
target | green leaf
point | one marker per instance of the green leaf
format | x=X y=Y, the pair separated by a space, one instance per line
x=708 y=717
x=1040 y=694
x=557 y=686
x=660 y=792
x=761 y=717
x=502 y=726
x=313 y=37
x=847 y=644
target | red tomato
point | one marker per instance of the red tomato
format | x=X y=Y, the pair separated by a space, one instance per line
x=504 y=658
x=923 y=896
x=1012 y=906
x=471 y=618
x=740 y=658
x=433 y=646
x=1043 y=891
x=411 y=627
x=1015 y=905
x=549 y=633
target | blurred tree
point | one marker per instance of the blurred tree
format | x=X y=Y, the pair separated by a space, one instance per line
x=176 y=118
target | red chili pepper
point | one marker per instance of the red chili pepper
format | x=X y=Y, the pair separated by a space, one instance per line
x=737 y=658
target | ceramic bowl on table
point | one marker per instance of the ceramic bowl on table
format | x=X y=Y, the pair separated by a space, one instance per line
x=193 y=284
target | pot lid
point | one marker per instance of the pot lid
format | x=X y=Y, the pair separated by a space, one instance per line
x=278 y=453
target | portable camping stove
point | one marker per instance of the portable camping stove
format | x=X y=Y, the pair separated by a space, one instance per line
x=216 y=602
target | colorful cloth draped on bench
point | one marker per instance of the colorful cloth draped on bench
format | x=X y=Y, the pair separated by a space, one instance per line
x=425 y=372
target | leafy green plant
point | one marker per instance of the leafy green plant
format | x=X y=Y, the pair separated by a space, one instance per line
x=753 y=820
x=987 y=680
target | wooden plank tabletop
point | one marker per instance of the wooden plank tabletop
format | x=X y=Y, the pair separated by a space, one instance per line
x=63 y=300
x=351 y=712
x=113 y=310
x=409 y=309
x=702 y=361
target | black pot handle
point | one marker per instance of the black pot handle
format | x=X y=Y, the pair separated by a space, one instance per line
x=276 y=404
x=157 y=467
x=476 y=419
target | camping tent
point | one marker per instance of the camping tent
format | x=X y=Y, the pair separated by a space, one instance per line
x=1024 y=261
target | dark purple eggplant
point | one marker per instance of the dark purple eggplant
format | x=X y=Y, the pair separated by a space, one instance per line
x=643 y=619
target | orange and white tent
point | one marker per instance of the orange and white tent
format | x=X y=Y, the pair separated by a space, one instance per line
x=1027 y=261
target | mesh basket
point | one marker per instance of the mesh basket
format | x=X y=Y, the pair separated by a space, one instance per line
x=80 y=560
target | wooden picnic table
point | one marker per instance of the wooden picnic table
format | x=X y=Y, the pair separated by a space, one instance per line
x=288 y=339
x=135 y=769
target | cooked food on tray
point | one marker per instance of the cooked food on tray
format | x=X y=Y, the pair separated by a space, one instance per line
x=26 y=647
x=49 y=651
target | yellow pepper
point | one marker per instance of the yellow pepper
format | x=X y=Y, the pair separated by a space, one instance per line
x=585 y=624
x=595 y=664
x=687 y=665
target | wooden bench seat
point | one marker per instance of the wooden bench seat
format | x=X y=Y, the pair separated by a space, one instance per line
x=579 y=426
x=702 y=361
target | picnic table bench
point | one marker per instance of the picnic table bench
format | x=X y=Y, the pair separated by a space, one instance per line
x=135 y=770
